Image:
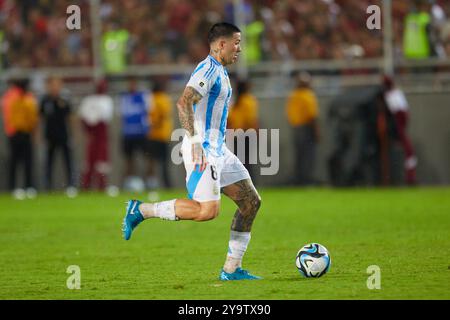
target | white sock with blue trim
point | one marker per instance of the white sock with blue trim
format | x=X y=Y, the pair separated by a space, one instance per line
x=237 y=246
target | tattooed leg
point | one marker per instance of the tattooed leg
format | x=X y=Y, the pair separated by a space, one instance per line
x=244 y=194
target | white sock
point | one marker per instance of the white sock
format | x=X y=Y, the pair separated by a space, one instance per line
x=165 y=210
x=237 y=247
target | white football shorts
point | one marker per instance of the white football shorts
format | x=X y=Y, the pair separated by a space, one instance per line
x=220 y=172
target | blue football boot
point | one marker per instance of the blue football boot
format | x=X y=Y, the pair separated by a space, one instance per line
x=132 y=218
x=239 y=274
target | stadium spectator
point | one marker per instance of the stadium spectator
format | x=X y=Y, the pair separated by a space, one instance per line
x=20 y=115
x=96 y=112
x=56 y=112
x=254 y=31
x=302 y=112
x=134 y=107
x=244 y=115
x=114 y=48
x=417 y=33
x=168 y=31
x=437 y=26
x=35 y=34
x=161 y=120
x=398 y=106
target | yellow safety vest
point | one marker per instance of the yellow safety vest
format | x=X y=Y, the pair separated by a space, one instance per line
x=415 y=39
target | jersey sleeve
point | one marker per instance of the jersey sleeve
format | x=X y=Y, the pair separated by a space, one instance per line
x=201 y=78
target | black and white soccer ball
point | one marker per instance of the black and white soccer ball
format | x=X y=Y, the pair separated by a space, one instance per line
x=313 y=260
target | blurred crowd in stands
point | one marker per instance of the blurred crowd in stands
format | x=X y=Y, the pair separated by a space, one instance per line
x=135 y=32
x=34 y=34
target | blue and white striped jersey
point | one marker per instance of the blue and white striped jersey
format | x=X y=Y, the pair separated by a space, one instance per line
x=211 y=80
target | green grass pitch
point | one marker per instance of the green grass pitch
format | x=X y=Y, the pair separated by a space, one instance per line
x=406 y=232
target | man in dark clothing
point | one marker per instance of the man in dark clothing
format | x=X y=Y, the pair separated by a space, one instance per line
x=55 y=111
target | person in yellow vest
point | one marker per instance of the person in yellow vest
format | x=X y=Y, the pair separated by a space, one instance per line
x=161 y=126
x=23 y=119
x=114 y=48
x=254 y=30
x=417 y=32
x=302 y=111
x=244 y=115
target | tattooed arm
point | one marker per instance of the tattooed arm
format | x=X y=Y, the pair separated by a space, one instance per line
x=185 y=107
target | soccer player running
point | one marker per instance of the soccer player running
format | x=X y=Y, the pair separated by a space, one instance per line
x=210 y=166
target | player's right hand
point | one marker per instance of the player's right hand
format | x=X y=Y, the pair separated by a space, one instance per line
x=198 y=156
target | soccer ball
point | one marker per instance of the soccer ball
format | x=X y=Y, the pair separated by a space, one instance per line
x=313 y=260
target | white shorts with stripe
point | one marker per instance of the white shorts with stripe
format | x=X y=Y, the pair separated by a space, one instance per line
x=220 y=172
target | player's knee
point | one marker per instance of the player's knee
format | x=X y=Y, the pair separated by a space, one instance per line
x=256 y=202
x=251 y=205
x=206 y=216
x=208 y=213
